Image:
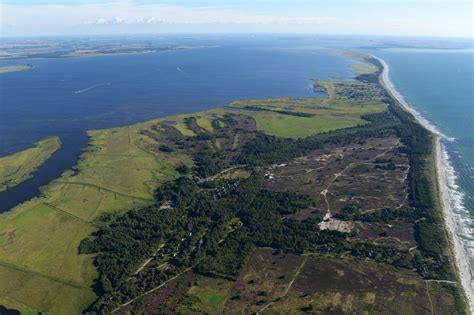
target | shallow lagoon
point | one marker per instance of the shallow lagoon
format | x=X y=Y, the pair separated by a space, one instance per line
x=68 y=96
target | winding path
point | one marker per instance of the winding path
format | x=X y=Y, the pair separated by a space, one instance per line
x=287 y=289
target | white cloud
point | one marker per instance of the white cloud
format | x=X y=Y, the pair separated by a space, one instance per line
x=132 y=17
x=64 y=18
x=123 y=21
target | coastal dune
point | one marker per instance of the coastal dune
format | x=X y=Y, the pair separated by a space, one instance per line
x=442 y=167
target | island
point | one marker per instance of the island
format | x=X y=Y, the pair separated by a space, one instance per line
x=8 y=69
x=18 y=167
x=83 y=47
x=293 y=205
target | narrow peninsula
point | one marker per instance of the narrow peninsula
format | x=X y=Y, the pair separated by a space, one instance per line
x=18 y=167
x=290 y=205
x=8 y=69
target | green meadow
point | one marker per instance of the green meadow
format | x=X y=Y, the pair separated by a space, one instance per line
x=359 y=68
x=279 y=117
x=206 y=296
x=18 y=167
x=40 y=267
x=364 y=68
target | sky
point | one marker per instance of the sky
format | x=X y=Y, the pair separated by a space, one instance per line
x=439 y=18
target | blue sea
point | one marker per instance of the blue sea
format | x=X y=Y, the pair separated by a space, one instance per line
x=439 y=84
x=68 y=96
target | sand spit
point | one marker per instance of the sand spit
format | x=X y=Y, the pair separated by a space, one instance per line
x=444 y=173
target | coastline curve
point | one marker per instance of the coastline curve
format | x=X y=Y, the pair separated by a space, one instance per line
x=445 y=177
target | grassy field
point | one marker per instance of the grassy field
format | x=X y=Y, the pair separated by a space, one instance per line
x=205 y=123
x=363 y=68
x=275 y=117
x=206 y=296
x=185 y=131
x=351 y=90
x=18 y=167
x=41 y=270
x=39 y=239
x=118 y=171
x=8 y=69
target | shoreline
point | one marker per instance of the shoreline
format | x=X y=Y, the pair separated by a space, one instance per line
x=461 y=260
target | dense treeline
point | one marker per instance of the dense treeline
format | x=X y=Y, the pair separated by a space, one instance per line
x=430 y=235
x=189 y=227
x=229 y=262
x=354 y=213
x=430 y=258
x=186 y=225
x=208 y=163
x=418 y=144
x=192 y=226
x=265 y=149
x=122 y=245
x=431 y=261
x=372 y=77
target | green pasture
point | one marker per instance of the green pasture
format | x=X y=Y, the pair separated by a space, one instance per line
x=18 y=167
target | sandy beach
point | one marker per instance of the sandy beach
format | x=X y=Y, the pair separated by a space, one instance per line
x=461 y=259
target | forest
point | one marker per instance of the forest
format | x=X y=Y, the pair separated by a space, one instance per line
x=191 y=227
x=211 y=235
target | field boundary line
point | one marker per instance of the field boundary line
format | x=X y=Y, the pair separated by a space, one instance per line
x=70 y=214
x=152 y=290
x=442 y=281
x=122 y=155
x=287 y=289
x=429 y=297
x=41 y=275
x=103 y=188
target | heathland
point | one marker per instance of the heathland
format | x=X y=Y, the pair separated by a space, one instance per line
x=18 y=167
x=303 y=205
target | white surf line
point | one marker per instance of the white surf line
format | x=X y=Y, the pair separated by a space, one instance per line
x=445 y=173
x=91 y=87
x=443 y=167
x=395 y=94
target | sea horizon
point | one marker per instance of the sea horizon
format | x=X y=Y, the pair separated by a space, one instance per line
x=130 y=88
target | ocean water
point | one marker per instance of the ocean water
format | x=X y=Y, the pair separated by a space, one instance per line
x=439 y=84
x=68 y=96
